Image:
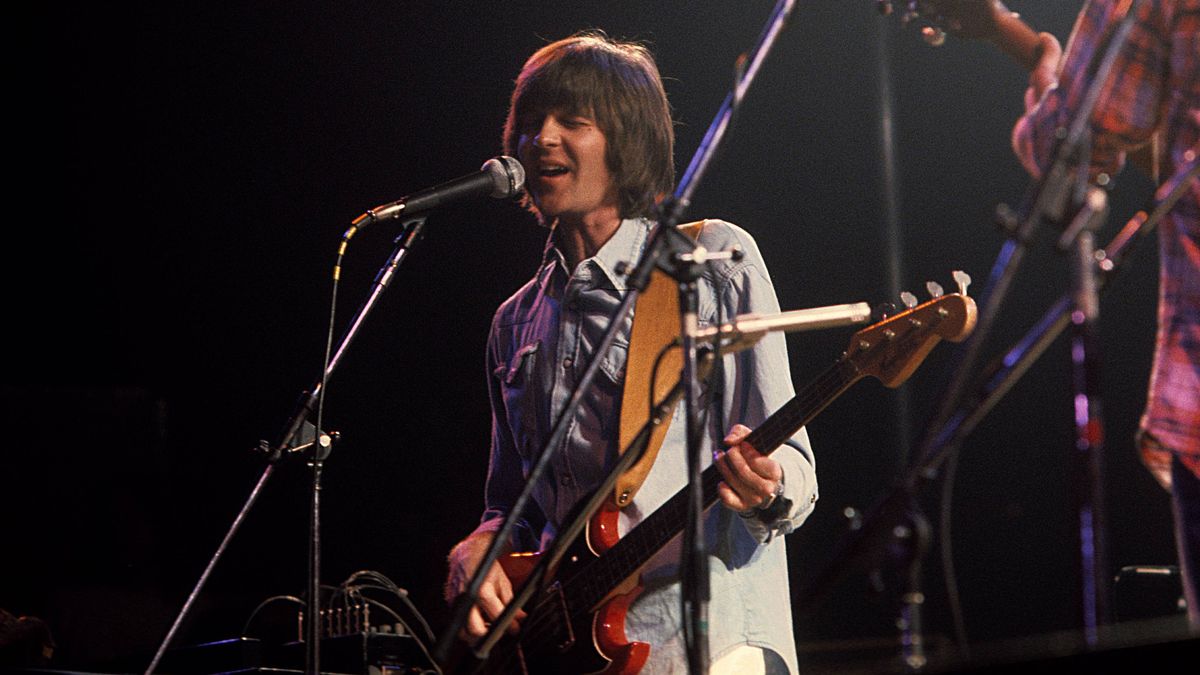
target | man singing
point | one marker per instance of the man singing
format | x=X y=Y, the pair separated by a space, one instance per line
x=590 y=122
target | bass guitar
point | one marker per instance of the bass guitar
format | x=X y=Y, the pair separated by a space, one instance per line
x=576 y=622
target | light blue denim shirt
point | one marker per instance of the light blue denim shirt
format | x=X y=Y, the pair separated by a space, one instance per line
x=542 y=339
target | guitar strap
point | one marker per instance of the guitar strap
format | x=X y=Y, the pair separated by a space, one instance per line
x=655 y=325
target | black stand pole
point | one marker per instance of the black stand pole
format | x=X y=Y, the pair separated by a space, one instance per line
x=1089 y=423
x=413 y=228
x=312 y=627
x=913 y=540
x=694 y=583
x=695 y=561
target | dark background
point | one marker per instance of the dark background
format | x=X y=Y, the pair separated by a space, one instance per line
x=184 y=172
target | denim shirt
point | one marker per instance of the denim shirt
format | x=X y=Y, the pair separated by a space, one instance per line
x=542 y=339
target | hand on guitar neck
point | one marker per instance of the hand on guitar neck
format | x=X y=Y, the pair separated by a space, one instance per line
x=749 y=477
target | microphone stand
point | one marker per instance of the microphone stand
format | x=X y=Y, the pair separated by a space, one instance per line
x=654 y=255
x=694 y=565
x=1064 y=190
x=695 y=592
x=318 y=450
x=888 y=529
x=1064 y=182
x=879 y=531
x=1064 y=185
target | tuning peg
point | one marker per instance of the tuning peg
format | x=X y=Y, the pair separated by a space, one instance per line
x=962 y=279
x=935 y=289
x=933 y=36
x=882 y=311
x=908 y=299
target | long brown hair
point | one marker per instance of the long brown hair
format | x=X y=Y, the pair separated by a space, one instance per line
x=618 y=85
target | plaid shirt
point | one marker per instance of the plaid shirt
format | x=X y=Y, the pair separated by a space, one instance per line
x=1154 y=87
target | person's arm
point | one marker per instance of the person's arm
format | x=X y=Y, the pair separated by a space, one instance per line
x=1129 y=107
x=758 y=382
x=503 y=483
x=1042 y=78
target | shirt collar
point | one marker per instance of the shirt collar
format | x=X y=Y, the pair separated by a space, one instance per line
x=625 y=245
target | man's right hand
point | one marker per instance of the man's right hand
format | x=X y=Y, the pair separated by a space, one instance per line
x=495 y=593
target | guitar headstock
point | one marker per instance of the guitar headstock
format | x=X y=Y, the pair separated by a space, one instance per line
x=891 y=349
x=965 y=18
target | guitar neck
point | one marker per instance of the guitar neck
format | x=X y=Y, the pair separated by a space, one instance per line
x=656 y=531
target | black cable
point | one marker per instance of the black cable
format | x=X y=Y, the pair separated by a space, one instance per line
x=949 y=575
x=264 y=603
x=385 y=584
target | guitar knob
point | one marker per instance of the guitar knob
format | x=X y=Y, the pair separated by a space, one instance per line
x=933 y=36
x=908 y=299
x=935 y=289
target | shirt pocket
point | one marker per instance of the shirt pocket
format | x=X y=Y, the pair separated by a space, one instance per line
x=518 y=387
x=613 y=365
x=519 y=368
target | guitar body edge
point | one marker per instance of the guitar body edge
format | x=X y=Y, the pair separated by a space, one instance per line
x=608 y=633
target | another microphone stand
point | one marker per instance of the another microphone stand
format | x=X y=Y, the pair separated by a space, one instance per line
x=694 y=565
x=886 y=526
x=890 y=533
x=1061 y=190
x=1063 y=196
x=316 y=443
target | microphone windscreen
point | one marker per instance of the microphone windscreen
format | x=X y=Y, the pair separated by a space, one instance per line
x=507 y=174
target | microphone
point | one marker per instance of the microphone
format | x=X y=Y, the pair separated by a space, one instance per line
x=499 y=177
